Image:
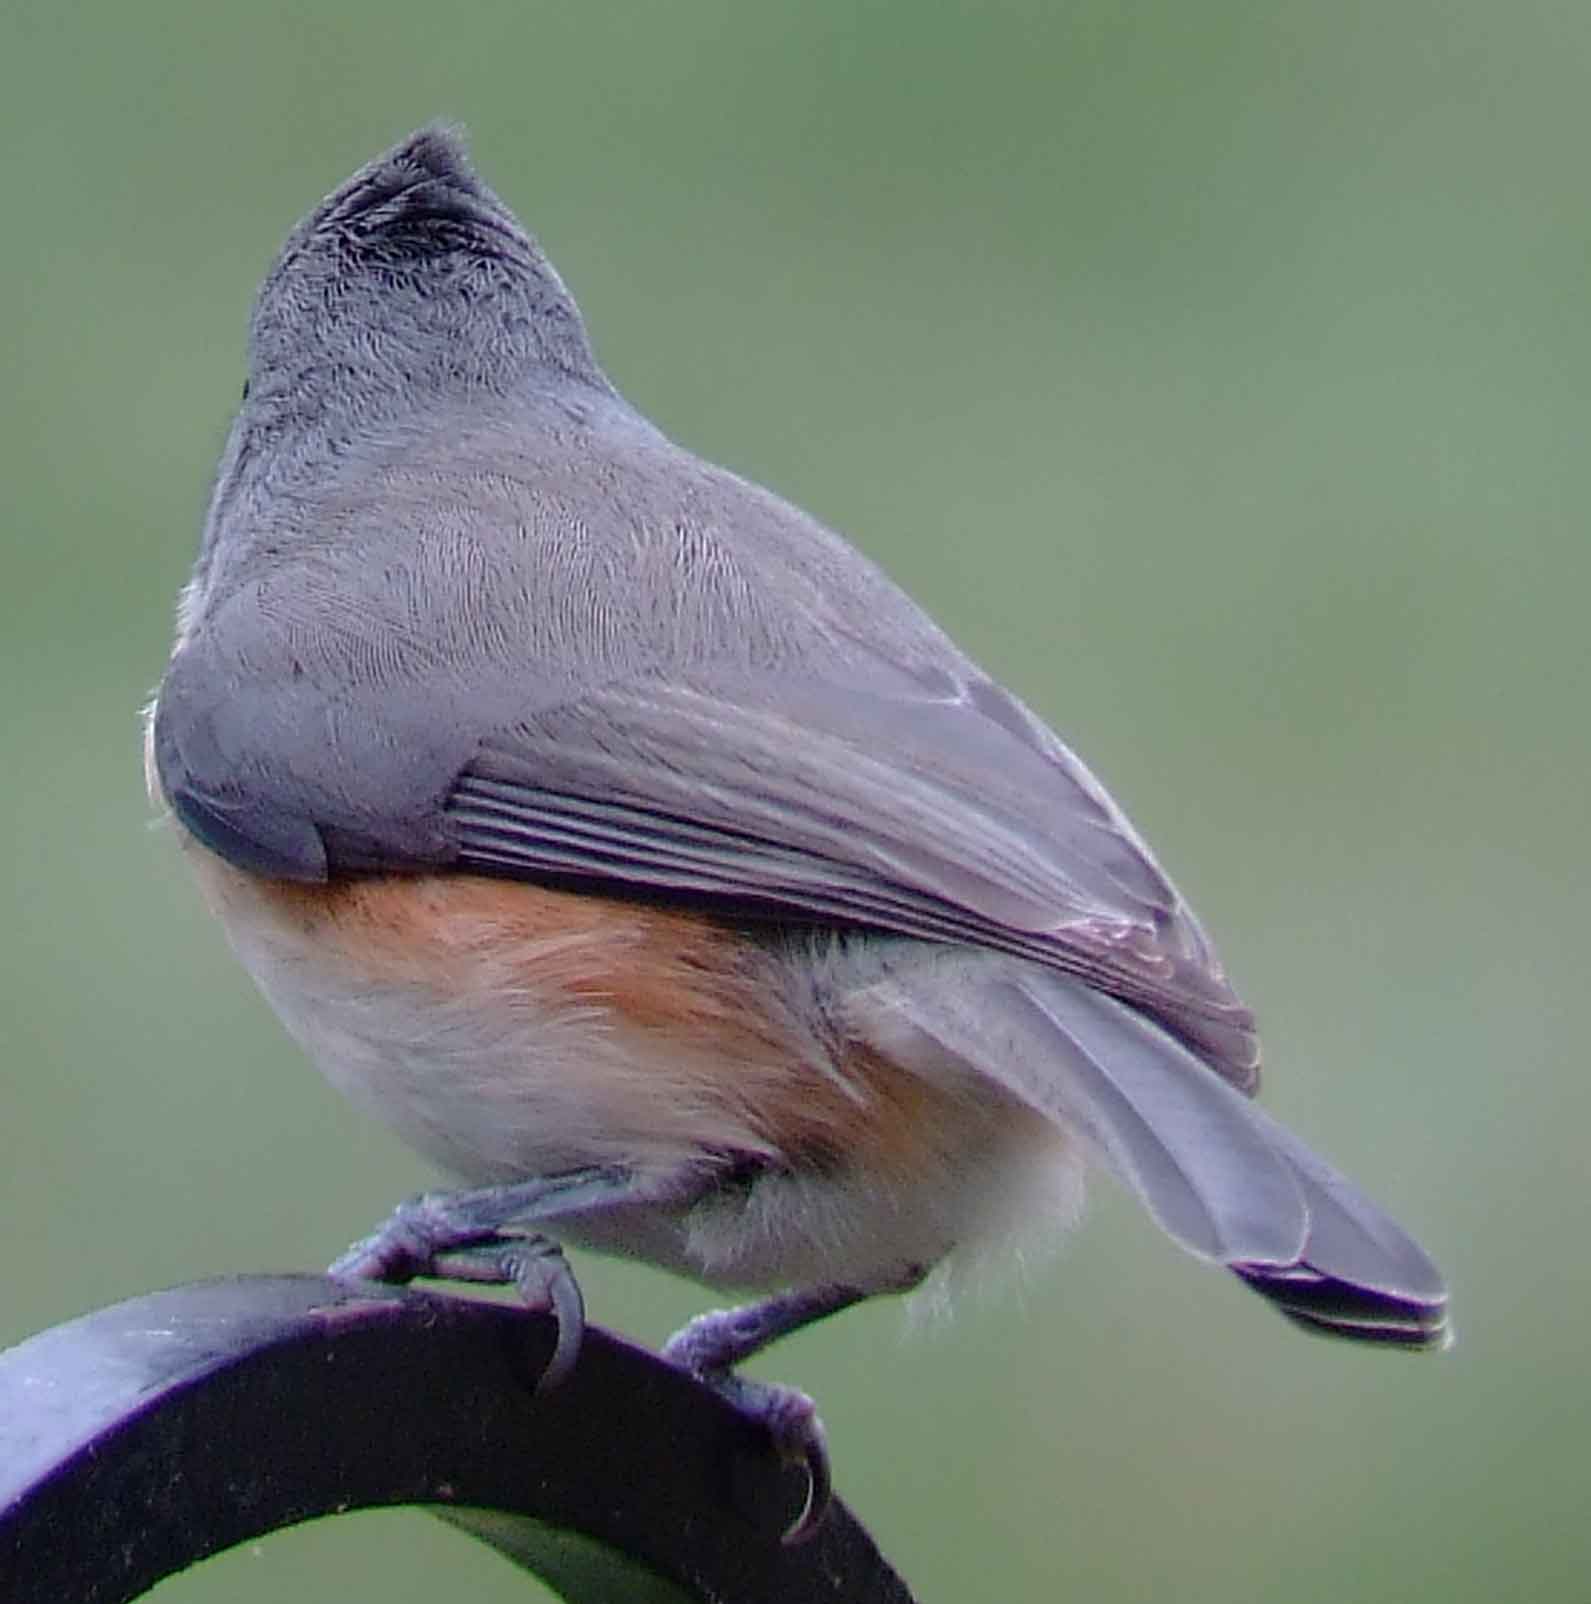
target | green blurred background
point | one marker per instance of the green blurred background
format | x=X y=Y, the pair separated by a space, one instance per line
x=1218 y=374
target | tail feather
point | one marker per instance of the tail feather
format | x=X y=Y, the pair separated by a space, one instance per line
x=1360 y=1275
x=1332 y=1308
x=1218 y=1174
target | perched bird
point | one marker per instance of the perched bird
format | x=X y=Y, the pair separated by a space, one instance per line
x=652 y=863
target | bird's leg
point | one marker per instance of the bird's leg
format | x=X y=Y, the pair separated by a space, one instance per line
x=484 y=1236
x=710 y=1346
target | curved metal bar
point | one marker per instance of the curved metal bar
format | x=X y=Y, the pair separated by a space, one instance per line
x=141 y=1438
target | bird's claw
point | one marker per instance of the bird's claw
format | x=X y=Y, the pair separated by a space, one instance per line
x=539 y=1273
x=791 y=1420
x=420 y=1239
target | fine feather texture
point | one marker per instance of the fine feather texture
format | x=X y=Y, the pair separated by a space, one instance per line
x=465 y=628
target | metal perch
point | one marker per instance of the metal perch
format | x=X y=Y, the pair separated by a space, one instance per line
x=143 y=1437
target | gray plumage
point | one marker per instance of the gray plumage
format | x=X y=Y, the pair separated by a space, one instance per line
x=580 y=654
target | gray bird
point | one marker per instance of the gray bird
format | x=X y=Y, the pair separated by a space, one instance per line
x=653 y=864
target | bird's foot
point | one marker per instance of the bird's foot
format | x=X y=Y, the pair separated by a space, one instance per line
x=787 y=1414
x=426 y=1237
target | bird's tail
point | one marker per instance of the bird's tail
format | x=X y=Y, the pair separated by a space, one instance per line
x=1217 y=1173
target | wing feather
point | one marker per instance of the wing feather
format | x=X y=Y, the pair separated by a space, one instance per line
x=908 y=814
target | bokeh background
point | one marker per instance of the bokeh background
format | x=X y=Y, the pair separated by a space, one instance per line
x=1218 y=374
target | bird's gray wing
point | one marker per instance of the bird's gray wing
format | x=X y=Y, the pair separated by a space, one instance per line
x=927 y=805
x=925 y=802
